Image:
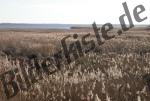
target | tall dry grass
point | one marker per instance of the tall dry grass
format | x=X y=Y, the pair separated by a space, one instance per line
x=112 y=72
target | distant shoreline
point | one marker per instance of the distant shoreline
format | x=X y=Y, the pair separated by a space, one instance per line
x=52 y=26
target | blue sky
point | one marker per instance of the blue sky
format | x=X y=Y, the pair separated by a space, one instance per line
x=67 y=11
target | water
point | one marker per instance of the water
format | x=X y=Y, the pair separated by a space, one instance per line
x=47 y=26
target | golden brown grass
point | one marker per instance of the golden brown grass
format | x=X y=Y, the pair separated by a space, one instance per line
x=112 y=72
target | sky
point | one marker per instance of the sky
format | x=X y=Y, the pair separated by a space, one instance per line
x=68 y=11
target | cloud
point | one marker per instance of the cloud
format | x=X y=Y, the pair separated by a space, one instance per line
x=64 y=11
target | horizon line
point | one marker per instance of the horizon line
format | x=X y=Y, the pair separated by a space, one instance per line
x=61 y=23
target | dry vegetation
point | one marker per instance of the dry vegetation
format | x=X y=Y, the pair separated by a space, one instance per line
x=112 y=72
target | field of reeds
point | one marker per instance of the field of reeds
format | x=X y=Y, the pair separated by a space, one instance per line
x=118 y=70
